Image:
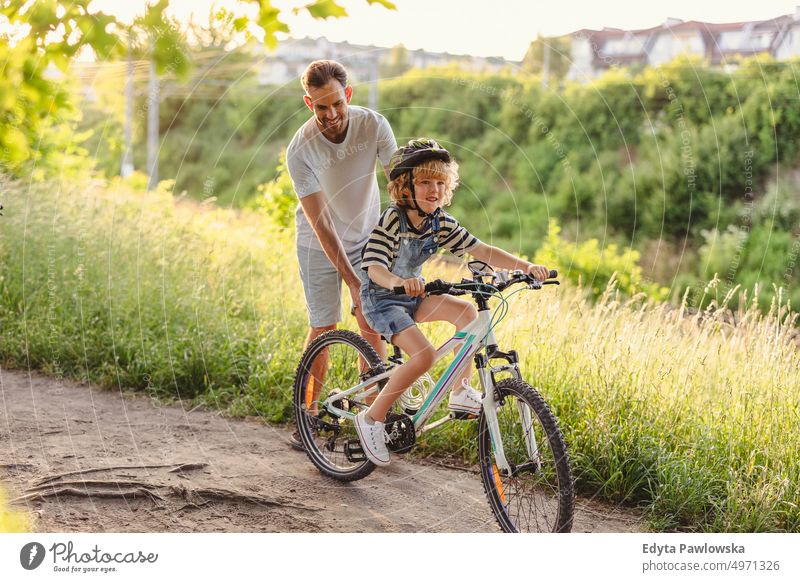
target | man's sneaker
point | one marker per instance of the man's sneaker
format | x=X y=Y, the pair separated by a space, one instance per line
x=467 y=400
x=295 y=442
x=373 y=439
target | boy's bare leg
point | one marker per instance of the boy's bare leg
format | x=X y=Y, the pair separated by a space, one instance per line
x=459 y=313
x=421 y=357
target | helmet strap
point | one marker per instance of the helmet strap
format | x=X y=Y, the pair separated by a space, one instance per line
x=414 y=205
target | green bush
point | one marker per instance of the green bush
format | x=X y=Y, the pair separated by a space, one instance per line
x=649 y=156
x=595 y=267
x=277 y=198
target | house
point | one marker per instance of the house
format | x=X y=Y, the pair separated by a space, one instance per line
x=595 y=51
x=788 y=45
x=286 y=63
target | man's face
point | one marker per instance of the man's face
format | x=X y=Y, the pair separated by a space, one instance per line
x=329 y=104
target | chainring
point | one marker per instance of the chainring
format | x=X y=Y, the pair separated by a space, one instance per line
x=401 y=432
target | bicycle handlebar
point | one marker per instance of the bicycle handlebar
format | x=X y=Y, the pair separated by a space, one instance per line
x=439 y=287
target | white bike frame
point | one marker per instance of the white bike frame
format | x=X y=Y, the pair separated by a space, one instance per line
x=473 y=338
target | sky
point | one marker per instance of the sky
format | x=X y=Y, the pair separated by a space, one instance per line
x=502 y=28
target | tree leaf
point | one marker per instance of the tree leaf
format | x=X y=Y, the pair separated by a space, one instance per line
x=269 y=22
x=154 y=17
x=240 y=23
x=322 y=9
x=15 y=144
x=384 y=3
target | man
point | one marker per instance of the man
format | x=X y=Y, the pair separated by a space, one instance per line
x=331 y=160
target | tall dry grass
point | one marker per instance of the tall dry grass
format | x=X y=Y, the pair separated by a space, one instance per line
x=106 y=284
x=693 y=416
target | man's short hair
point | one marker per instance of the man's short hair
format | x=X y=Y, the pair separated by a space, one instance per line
x=320 y=73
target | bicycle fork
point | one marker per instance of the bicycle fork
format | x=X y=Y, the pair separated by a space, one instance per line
x=490 y=410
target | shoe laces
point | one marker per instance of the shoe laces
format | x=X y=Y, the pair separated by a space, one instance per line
x=386 y=437
x=382 y=426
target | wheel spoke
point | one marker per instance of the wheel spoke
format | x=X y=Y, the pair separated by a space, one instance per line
x=331 y=365
x=532 y=492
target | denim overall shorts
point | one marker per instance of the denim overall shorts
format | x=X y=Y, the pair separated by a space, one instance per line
x=386 y=312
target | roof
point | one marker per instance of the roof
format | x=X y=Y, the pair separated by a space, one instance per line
x=710 y=32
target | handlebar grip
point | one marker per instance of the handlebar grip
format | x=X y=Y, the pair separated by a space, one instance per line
x=436 y=287
x=553 y=274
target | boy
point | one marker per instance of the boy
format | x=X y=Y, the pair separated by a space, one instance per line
x=422 y=177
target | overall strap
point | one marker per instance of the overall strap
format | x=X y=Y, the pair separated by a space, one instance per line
x=403 y=227
x=401 y=214
x=436 y=225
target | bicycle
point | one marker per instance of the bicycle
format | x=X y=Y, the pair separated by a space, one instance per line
x=524 y=464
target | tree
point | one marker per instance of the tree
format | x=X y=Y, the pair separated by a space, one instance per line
x=559 y=49
x=397 y=64
x=39 y=35
x=45 y=36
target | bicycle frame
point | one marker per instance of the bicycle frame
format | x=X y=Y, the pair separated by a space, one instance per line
x=472 y=339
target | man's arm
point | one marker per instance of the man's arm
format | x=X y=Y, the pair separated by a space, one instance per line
x=320 y=220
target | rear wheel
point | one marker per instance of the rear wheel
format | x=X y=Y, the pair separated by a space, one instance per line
x=333 y=363
x=537 y=494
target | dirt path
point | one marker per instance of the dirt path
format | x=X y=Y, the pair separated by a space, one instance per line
x=161 y=468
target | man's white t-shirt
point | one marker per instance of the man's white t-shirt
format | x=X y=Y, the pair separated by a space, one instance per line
x=344 y=172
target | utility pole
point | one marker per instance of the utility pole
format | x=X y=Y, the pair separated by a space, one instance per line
x=126 y=168
x=152 y=128
x=373 y=82
x=546 y=64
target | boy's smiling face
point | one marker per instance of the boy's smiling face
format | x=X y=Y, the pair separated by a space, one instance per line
x=430 y=192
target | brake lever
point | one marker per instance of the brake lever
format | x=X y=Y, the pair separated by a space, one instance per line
x=536 y=284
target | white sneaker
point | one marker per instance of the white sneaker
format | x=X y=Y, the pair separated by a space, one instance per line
x=467 y=400
x=373 y=439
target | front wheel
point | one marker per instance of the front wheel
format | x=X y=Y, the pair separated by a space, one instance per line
x=536 y=494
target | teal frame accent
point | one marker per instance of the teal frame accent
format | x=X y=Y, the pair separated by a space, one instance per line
x=438 y=391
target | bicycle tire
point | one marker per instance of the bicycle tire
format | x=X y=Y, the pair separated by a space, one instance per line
x=541 y=499
x=343 y=348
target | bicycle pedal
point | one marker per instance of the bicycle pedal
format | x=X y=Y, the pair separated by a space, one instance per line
x=353 y=451
x=461 y=415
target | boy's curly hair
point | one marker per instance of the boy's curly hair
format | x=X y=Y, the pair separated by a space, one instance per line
x=400 y=190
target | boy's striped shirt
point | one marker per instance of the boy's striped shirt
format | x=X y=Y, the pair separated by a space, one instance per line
x=384 y=242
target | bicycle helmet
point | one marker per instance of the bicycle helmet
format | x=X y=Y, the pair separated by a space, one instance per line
x=414 y=153
x=409 y=157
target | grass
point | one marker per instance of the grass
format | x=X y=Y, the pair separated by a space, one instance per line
x=693 y=417
x=11 y=520
x=127 y=289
